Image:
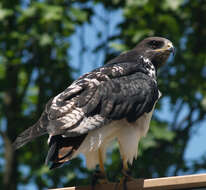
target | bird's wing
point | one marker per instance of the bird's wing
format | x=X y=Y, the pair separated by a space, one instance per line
x=66 y=111
x=109 y=93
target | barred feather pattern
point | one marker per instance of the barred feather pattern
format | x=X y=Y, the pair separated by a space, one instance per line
x=74 y=111
x=96 y=99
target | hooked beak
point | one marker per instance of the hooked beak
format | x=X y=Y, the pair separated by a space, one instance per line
x=167 y=48
x=170 y=48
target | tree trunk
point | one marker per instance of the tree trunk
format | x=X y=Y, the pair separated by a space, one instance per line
x=11 y=106
x=10 y=174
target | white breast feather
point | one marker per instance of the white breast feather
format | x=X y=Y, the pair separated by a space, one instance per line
x=127 y=134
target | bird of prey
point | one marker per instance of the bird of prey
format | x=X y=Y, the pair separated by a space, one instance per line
x=114 y=101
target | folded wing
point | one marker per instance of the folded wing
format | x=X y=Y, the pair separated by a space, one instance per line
x=98 y=98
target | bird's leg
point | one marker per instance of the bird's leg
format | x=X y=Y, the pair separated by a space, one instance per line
x=101 y=167
x=99 y=175
x=126 y=172
x=126 y=176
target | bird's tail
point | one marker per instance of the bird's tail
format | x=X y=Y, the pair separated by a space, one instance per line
x=61 y=149
x=29 y=134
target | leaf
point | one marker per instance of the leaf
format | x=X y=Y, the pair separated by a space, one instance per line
x=5 y=13
x=161 y=132
x=42 y=170
x=2 y=69
x=52 y=13
x=174 y=4
x=118 y=46
x=137 y=2
x=26 y=14
x=78 y=14
x=45 y=39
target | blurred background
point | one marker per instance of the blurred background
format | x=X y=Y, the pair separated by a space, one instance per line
x=46 y=44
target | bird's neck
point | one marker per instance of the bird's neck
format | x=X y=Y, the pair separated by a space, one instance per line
x=149 y=67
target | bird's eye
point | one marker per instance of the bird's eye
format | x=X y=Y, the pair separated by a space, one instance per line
x=155 y=44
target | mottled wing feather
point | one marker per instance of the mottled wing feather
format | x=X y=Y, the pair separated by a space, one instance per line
x=111 y=92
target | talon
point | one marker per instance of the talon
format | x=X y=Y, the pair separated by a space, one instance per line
x=98 y=177
x=122 y=182
x=126 y=177
x=125 y=183
x=127 y=174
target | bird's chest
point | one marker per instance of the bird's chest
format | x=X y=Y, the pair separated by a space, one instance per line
x=122 y=130
x=138 y=129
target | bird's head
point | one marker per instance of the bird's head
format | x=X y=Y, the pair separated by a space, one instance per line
x=156 y=49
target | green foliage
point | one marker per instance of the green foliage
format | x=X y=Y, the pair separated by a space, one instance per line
x=35 y=65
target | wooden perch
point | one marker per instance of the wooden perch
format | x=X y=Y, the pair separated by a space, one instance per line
x=165 y=183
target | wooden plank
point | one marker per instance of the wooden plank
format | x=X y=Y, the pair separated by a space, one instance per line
x=165 y=183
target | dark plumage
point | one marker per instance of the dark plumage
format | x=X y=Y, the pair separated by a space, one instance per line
x=101 y=104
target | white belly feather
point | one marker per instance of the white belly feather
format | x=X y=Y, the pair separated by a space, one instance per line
x=127 y=134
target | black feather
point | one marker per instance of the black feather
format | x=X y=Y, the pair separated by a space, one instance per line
x=36 y=130
x=27 y=136
x=51 y=152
